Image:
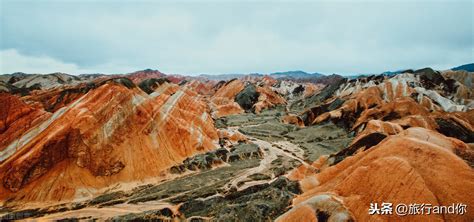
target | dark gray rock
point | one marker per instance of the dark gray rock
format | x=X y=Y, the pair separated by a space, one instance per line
x=120 y=80
x=107 y=197
x=298 y=90
x=430 y=78
x=22 y=214
x=318 y=98
x=151 y=215
x=451 y=128
x=263 y=202
x=320 y=140
x=269 y=131
x=309 y=115
x=149 y=85
x=247 y=97
x=259 y=176
x=364 y=143
x=244 y=151
x=201 y=161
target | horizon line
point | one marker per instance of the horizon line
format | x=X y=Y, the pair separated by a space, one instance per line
x=240 y=73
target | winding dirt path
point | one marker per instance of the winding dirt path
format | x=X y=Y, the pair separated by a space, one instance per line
x=270 y=151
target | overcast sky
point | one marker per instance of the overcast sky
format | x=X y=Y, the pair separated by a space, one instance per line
x=193 y=37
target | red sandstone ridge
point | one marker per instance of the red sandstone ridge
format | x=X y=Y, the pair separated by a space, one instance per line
x=311 y=89
x=223 y=100
x=202 y=87
x=139 y=76
x=110 y=143
x=176 y=78
x=292 y=119
x=396 y=156
x=16 y=118
x=267 y=99
x=268 y=80
x=253 y=94
x=416 y=166
x=53 y=99
x=111 y=134
x=402 y=100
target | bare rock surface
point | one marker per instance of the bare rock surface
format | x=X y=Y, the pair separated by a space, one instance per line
x=149 y=146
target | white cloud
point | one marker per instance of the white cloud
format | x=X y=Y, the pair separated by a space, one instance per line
x=12 y=61
x=228 y=37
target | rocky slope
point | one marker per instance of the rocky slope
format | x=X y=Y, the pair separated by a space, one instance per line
x=416 y=165
x=112 y=133
x=251 y=95
x=149 y=146
x=396 y=156
x=39 y=81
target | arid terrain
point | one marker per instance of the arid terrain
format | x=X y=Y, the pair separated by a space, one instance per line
x=152 y=146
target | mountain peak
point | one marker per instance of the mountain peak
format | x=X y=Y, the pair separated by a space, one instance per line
x=466 y=67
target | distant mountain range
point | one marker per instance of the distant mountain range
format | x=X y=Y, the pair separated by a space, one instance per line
x=298 y=74
x=302 y=75
x=223 y=76
x=295 y=74
x=467 y=67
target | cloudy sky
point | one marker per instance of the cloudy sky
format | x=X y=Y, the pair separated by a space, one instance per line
x=193 y=37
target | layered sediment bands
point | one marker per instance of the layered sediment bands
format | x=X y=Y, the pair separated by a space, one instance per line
x=226 y=136
x=53 y=99
x=400 y=99
x=139 y=76
x=310 y=101
x=38 y=81
x=237 y=96
x=257 y=98
x=415 y=166
x=16 y=118
x=117 y=149
x=223 y=100
x=269 y=81
x=294 y=90
x=142 y=75
x=311 y=89
x=378 y=126
x=267 y=99
x=111 y=134
x=230 y=89
x=203 y=87
x=391 y=159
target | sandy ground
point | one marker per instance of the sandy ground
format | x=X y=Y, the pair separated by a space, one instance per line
x=106 y=212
